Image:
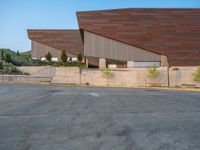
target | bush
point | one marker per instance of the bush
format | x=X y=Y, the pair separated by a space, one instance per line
x=87 y=83
x=56 y=64
x=2 y=55
x=1 y=65
x=79 y=57
x=196 y=75
x=75 y=64
x=107 y=74
x=23 y=60
x=8 y=58
x=9 y=68
x=153 y=72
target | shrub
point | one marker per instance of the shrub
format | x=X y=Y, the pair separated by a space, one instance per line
x=1 y=65
x=87 y=83
x=56 y=64
x=2 y=55
x=8 y=58
x=48 y=57
x=9 y=68
x=107 y=74
x=64 y=57
x=153 y=72
x=196 y=75
x=18 y=54
x=79 y=57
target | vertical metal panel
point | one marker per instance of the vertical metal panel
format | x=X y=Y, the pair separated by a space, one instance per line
x=99 y=46
x=40 y=50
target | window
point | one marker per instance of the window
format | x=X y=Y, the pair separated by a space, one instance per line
x=132 y=64
x=54 y=59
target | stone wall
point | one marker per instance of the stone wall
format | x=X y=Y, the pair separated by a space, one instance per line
x=31 y=69
x=68 y=75
x=120 y=77
x=178 y=76
x=123 y=77
x=24 y=79
x=182 y=76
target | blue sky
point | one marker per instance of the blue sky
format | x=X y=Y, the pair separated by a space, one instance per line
x=19 y=15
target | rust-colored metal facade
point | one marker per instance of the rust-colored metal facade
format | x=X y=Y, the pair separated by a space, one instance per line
x=174 y=33
x=67 y=40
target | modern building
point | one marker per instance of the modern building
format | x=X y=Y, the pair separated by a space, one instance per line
x=133 y=37
x=55 y=41
x=142 y=37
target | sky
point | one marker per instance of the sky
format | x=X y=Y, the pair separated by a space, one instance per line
x=16 y=16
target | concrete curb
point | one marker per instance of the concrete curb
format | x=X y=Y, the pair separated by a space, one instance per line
x=77 y=85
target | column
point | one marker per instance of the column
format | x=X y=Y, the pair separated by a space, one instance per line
x=86 y=62
x=102 y=63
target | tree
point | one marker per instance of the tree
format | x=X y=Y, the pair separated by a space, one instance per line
x=196 y=75
x=64 y=57
x=79 y=57
x=2 y=55
x=1 y=65
x=8 y=58
x=48 y=57
x=18 y=54
x=107 y=74
x=153 y=72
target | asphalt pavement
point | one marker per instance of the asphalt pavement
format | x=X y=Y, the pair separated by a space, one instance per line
x=39 y=117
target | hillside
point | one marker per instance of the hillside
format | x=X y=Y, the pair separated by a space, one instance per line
x=17 y=59
x=7 y=51
x=11 y=52
x=27 y=53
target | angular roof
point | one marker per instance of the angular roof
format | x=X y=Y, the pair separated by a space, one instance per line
x=174 y=33
x=68 y=40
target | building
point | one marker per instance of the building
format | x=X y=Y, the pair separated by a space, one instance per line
x=55 y=41
x=141 y=37
x=134 y=37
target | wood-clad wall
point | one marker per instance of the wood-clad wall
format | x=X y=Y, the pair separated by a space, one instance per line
x=99 y=46
x=40 y=50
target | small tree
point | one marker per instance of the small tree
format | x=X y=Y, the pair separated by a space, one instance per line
x=2 y=55
x=48 y=57
x=8 y=58
x=196 y=75
x=1 y=65
x=64 y=57
x=80 y=58
x=107 y=74
x=18 y=54
x=153 y=72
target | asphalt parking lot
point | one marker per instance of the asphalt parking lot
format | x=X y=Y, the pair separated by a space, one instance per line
x=36 y=117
